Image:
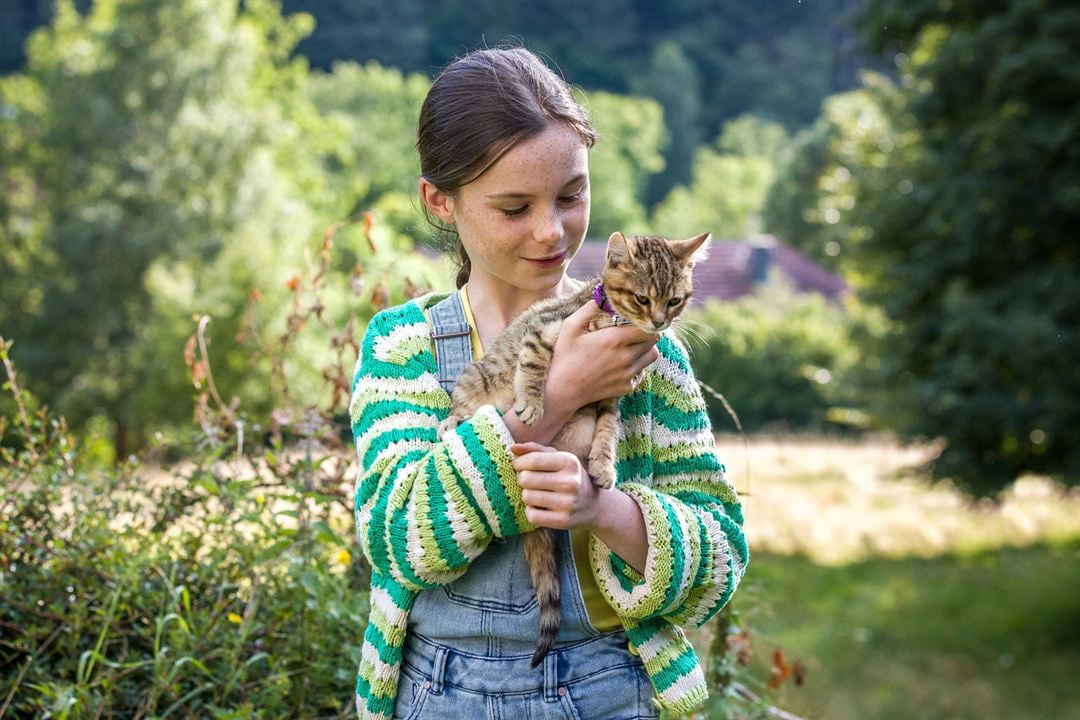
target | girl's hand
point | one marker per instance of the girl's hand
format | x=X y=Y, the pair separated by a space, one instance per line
x=555 y=488
x=591 y=366
x=559 y=494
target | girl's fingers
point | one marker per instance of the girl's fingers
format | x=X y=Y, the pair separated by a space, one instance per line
x=578 y=321
x=525 y=448
x=540 y=461
x=546 y=518
x=546 y=500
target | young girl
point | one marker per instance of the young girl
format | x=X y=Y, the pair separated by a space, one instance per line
x=504 y=159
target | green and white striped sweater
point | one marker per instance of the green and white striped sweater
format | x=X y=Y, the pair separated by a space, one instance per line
x=425 y=509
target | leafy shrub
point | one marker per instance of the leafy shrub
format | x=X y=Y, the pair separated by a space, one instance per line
x=786 y=360
x=225 y=589
x=228 y=585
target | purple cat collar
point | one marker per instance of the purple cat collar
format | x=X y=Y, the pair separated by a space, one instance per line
x=601 y=299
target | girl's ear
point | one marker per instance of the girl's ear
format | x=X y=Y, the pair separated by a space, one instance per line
x=439 y=203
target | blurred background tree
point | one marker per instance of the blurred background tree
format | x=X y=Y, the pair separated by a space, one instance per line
x=175 y=152
x=973 y=237
x=729 y=184
x=628 y=152
x=162 y=161
x=153 y=140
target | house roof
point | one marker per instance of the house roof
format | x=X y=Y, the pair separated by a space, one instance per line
x=733 y=267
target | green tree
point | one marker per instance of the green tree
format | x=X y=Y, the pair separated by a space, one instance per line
x=674 y=82
x=833 y=174
x=730 y=183
x=390 y=33
x=977 y=260
x=153 y=136
x=788 y=361
x=628 y=152
x=374 y=161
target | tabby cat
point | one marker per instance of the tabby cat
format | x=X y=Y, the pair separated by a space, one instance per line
x=645 y=281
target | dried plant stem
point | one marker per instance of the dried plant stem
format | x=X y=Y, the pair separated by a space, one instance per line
x=744 y=492
x=5 y=345
x=201 y=334
x=749 y=695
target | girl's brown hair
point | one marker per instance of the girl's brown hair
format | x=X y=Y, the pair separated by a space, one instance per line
x=480 y=106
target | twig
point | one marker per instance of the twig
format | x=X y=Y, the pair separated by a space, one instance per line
x=747 y=694
x=742 y=434
x=26 y=666
x=200 y=333
x=5 y=345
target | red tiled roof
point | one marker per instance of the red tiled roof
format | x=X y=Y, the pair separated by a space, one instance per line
x=728 y=272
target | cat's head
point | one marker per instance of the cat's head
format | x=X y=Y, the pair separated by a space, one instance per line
x=647 y=279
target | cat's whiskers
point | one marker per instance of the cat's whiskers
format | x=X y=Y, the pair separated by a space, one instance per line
x=689 y=328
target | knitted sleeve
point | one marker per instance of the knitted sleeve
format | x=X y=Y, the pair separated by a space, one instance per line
x=668 y=465
x=424 y=508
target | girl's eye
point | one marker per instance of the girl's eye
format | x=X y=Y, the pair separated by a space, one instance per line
x=674 y=301
x=571 y=198
x=514 y=212
x=642 y=300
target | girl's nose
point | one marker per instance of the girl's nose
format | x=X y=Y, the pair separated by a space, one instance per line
x=550 y=229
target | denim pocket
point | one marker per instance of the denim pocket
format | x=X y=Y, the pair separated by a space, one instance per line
x=413 y=690
x=615 y=693
x=498 y=581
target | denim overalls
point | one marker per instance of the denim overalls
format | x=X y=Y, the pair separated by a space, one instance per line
x=469 y=645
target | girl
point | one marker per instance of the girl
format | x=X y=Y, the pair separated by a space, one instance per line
x=504 y=159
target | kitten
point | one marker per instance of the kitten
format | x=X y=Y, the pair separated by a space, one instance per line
x=646 y=281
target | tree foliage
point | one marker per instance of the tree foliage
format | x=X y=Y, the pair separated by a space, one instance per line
x=631 y=137
x=832 y=176
x=975 y=243
x=166 y=161
x=731 y=179
x=785 y=360
x=705 y=62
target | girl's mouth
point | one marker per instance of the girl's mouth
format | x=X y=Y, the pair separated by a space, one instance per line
x=548 y=262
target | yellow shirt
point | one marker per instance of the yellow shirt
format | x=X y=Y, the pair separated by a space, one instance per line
x=601 y=615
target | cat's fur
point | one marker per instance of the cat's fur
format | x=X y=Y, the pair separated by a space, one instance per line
x=513 y=373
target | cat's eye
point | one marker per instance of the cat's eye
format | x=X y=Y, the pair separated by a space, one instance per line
x=642 y=299
x=674 y=301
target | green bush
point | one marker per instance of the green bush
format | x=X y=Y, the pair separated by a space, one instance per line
x=786 y=361
x=226 y=587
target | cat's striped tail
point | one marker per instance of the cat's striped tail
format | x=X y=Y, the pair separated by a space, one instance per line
x=540 y=556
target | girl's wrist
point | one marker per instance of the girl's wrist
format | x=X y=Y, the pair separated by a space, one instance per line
x=617 y=522
x=542 y=432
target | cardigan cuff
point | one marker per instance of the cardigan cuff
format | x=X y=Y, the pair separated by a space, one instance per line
x=670 y=563
x=480 y=451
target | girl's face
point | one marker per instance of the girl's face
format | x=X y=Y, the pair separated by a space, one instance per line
x=522 y=221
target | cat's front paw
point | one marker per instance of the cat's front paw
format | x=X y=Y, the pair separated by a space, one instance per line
x=448 y=424
x=602 y=474
x=529 y=412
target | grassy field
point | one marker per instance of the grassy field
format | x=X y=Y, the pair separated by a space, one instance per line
x=905 y=600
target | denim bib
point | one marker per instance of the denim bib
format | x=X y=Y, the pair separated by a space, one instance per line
x=492 y=608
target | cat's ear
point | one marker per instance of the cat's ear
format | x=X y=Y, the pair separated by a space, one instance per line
x=692 y=250
x=619 y=249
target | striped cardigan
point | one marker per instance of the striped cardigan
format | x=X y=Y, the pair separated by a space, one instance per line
x=426 y=508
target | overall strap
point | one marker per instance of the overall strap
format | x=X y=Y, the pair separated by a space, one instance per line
x=453 y=344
